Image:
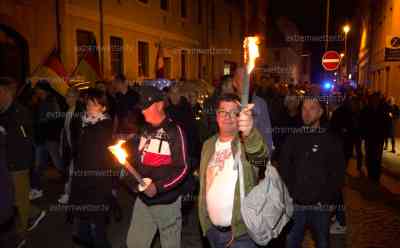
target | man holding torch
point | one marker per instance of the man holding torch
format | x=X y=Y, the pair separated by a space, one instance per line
x=158 y=162
x=219 y=199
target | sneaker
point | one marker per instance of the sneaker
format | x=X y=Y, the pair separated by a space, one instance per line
x=64 y=199
x=35 y=221
x=21 y=243
x=35 y=194
x=336 y=228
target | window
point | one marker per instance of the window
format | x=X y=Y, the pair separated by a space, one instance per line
x=183 y=65
x=200 y=12
x=183 y=8
x=85 y=42
x=229 y=67
x=143 y=52
x=117 y=58
x=167 y=67
x=164 y=4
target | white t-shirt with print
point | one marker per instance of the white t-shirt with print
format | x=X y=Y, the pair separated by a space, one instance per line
x=221 y=181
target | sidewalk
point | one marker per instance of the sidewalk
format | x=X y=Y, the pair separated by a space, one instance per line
x=391 y=161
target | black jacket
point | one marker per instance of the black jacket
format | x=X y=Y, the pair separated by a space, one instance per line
x=92 y=178
x=373 y=124
x=6 y=187
x=313 y=167
x=48 y=120
x=183 y=115
x=161 y=154
x=17 y=123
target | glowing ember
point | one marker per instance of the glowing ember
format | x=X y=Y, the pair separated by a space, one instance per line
x=119 y=152
x=251 y=52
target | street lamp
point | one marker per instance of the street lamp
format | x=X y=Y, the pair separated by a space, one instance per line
x=346 y=30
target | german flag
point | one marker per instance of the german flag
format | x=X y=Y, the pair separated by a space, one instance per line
x=53 y=71
x=89 y=67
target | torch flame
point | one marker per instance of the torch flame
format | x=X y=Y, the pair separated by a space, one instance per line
x=251 y=52
x=119 y=152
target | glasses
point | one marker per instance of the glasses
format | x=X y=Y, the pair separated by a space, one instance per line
x=226 y=114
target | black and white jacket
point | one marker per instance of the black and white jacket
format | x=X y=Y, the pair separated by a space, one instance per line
x=160 y=153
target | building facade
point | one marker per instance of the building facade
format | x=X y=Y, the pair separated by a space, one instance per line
x=378 y=69
x=199 y=39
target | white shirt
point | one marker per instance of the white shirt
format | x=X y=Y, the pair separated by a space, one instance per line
x=221 y=182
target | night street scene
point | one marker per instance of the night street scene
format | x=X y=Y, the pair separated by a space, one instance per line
x=199 y=123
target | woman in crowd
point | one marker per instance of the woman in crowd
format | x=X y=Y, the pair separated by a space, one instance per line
x=92 y=178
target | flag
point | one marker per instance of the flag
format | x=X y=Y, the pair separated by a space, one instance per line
x=53 y=71
x=88 y=65
x=160 y=63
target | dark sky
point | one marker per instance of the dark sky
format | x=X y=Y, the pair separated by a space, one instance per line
x=310 y=18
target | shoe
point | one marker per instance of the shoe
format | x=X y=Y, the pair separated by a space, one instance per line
x=35 y=221
x=21 y=243
x=393 y=151
x=336 y=228
x=35 y=194
x=64 y=199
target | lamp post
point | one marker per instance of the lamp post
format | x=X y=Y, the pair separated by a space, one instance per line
x=346 y=30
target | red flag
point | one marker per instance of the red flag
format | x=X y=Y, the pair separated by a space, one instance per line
x=160 y=63
x=53 y=71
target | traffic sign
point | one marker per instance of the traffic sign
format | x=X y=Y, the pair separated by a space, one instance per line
x=331 y=60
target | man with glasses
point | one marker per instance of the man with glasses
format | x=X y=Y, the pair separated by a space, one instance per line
x=219 y=198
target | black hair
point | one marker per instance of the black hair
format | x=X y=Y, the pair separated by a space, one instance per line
x=226 y=98
x=98 y=96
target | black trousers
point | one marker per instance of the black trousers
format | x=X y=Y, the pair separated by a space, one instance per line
x=8 y=234
x=373 y=150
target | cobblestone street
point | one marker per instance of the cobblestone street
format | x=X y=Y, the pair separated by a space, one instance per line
x=373 y=216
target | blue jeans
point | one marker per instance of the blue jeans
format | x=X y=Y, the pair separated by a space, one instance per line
x=219 y=239
x=42 y=154
x=317 y=218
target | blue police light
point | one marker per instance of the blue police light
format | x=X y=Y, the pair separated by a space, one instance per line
x=327 y=86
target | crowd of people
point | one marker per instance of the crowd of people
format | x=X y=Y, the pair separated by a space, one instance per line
x=182 y=146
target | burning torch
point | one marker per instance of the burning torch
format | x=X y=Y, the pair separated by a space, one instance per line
x=251 y=52
x=121 y=156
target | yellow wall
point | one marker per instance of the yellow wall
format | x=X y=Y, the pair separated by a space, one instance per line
x=385 y=22
x=132 y=21
x=35 y=21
